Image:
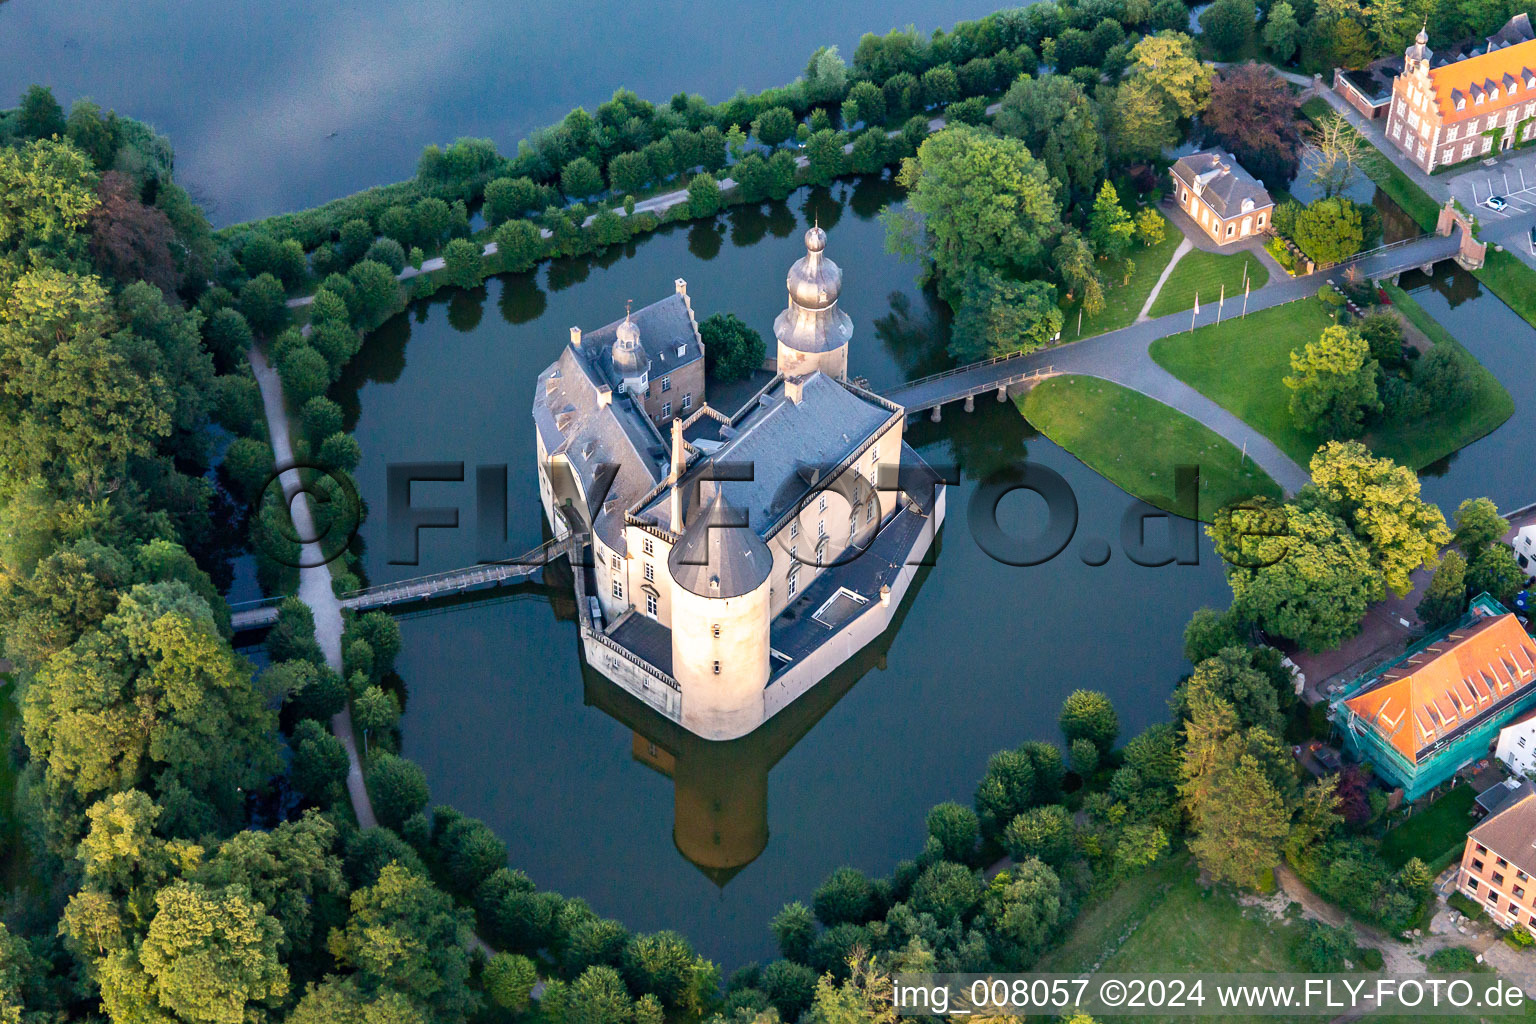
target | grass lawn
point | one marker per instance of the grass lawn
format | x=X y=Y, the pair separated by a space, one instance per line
x=1402 y=189
x=1429 y=834
x=1204 y=273
x=1239 y=364
x=1512 y=280
x=1123 y=302
x=1136 y=442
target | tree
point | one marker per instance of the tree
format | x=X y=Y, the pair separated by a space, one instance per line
x=1142 y=120
x=388 y=252
x=305 y=373
x=628 y=173
x=774 y=126
x=790 y=987
x=703 y=196
x=47 y=189
x=1045 y=833
x=319 y=762
x=131 y=241
x=1478 y=524
x=580 y=179
x=1329 y=230
x=1230 y=675
x=1150 y=227
x=376 y=294
x=39 y=116
x=264 y=304
x=1168 y=61
x=1351 y=46
x=794 y=928
x=1238 y=815
x=1109 y=226
x=1060 y=125
x=1282 y=33
x=1336 y=154
x=1496 y=572
x=1005 y=791
x=405 y=936
x=1445 y=599
x=1083 y=756
x=209 y=955
x=1088 y=714
x=1254 y=114
x=826 y=75
x=462 y=264
x=824 y=153
x=1333 y=384
x=845 y=897
x=1024 y=904
x=946 y=890
x=735 y=351
x=664 y=965
x=519 y=245
x=956 y=828
x=1298 y=573
x=398 y=788
x=1000 y=316
x=979 y=200
x=1209 y=631
x=1227 y=27
x=1379 y=500
x=509 y=980
x=469 y=852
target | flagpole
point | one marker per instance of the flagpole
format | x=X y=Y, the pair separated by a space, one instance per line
x=1195 y=313
x=1221 y=301
x=1245 y=297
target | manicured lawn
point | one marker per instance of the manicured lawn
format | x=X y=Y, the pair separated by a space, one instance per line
x=1512 y=280
x=1430 y=834
x=1123 y=301
x=1240 y=364
x=1420 y=205
x=1136 y=442
x=1204 y=274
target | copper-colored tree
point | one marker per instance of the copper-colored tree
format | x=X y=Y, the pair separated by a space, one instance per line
x=1253 y=113
x=129 y=240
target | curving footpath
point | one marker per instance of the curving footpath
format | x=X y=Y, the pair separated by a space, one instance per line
x=314 y=583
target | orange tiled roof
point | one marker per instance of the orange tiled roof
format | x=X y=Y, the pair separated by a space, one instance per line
x=1448 y=684
x=1494 y=69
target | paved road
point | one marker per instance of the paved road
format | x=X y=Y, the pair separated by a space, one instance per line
x=1123 y=357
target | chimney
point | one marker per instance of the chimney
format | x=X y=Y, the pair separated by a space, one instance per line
x=681 y=286
x=604 y=396
x=794 y=389
x=576 y=337
x=679 y=463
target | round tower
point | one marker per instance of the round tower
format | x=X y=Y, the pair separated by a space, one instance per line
x=720 y=571
x=630 y=363
x=1417 y=58
x=813 y=334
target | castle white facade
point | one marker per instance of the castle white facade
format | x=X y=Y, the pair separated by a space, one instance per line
x=734 y=559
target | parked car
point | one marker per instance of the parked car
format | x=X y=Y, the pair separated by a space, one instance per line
x=1495 y=202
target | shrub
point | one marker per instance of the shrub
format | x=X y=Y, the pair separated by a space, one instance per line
x=322 y=418
x=264 y=304
x=388 y=252
x=509 y=980
x=1454 y=960
x=703 y=196
x=463 y=265
x=398 y=788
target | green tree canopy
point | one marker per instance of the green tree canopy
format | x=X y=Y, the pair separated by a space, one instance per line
x=1000 y=315
x=1089 y=715
x=1060 y=125
x=1333 y=384
x=735 y=350
x=1329 y=230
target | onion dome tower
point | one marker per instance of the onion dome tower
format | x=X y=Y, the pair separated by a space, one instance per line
x=630 y=363
x=813 y=334
x=720 y=571
x=1416 y=58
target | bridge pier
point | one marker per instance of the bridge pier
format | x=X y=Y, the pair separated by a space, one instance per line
x=1428 y=269
x=1002 y=393
x=935 y=415
x=970 y=403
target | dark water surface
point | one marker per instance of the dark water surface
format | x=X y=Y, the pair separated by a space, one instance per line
x=572 y=773
x=281 y=105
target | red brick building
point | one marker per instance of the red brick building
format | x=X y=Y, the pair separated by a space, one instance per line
x=1446 y=112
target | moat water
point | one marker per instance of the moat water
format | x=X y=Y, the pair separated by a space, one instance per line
x=596 y=797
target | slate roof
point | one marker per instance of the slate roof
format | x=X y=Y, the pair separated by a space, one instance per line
x=1221 y=182
x=718 y=556
x=663 y=326
x=1502 y=794
x=785 y=444
x=1449 y=685
x=572 y=420
x=1510 y=833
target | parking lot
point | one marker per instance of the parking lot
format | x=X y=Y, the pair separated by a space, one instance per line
x=1512 y=176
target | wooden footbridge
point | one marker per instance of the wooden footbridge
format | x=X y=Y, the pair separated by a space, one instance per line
x=994 y=375
x=251 y=615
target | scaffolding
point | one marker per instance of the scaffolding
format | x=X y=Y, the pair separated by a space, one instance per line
x=1442 y=759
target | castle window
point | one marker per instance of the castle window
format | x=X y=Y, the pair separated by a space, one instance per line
x=794 y=579
x=869 y=511
x=666 y=383
x=717 y=668
x=715 y=630
x=794 y=530
x=666 y=411
x=650 y=605
x=853 y=522
x=614 y=563
x=687 y=402
x=647 y=546
x=821 y=505
x=650 y=573
x=821 y=528
x=618 y=589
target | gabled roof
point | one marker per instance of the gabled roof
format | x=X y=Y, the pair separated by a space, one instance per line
x=665 y=328
x=1222 y=183
x=1510 y=833
x=1449 y=684
x=1513 y=63
x=1504 y=794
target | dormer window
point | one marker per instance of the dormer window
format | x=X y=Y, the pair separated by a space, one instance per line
x=1480 y=98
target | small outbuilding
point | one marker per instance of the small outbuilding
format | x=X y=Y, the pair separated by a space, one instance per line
x=1226 y=201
